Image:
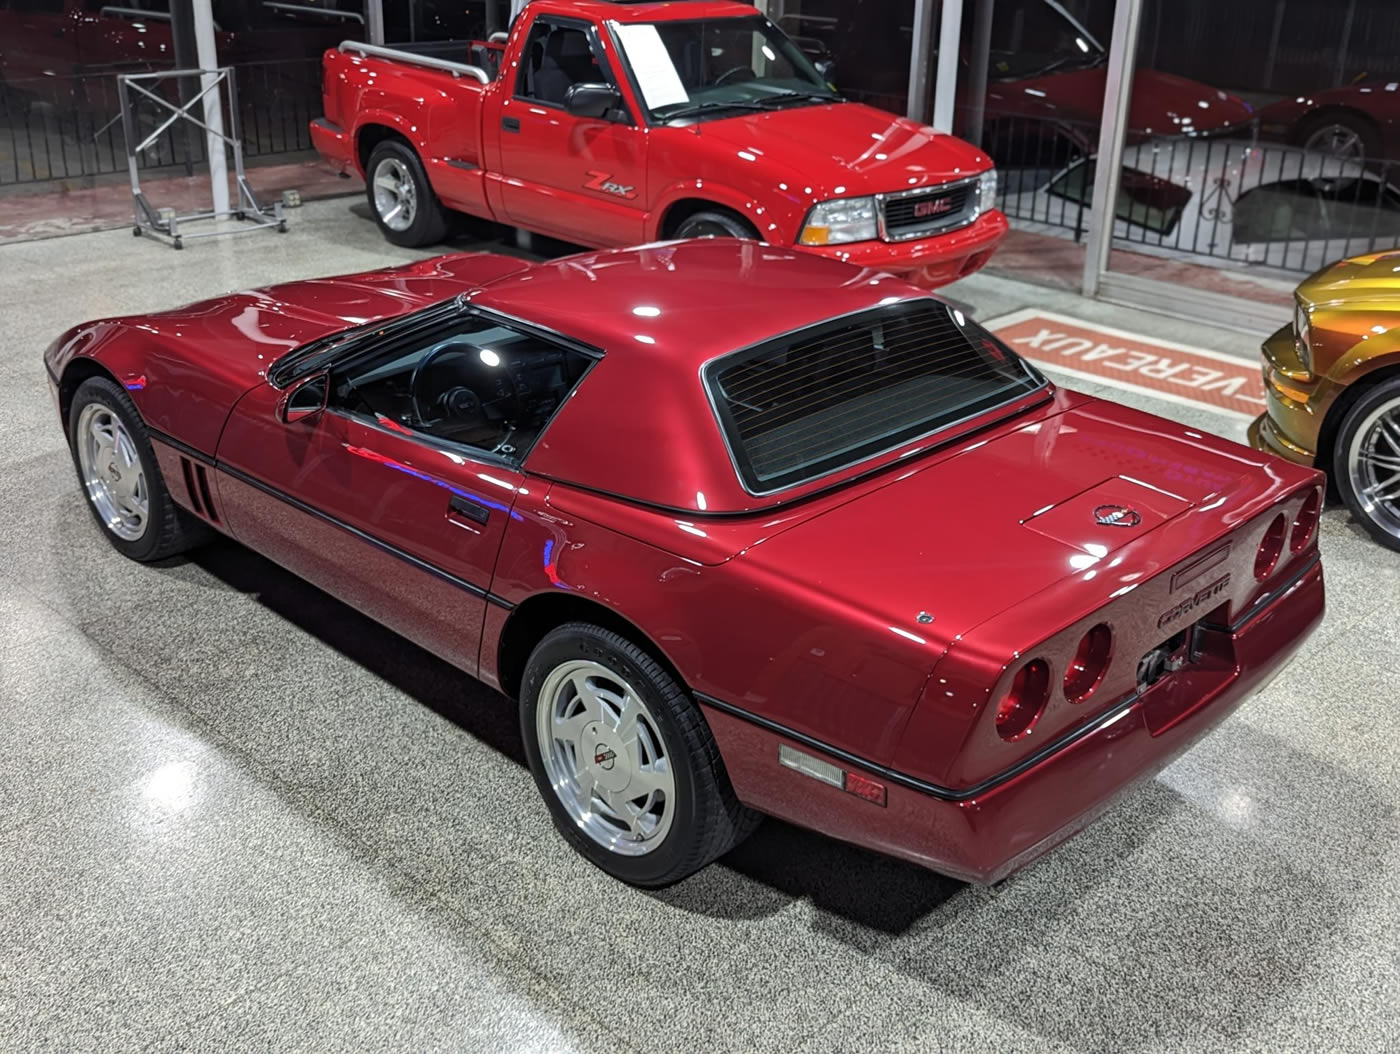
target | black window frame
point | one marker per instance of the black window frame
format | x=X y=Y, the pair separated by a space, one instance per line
x=590 y=32
x=841 y=462
x=421 y=324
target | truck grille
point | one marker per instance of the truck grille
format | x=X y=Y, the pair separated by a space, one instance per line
x=929 y=210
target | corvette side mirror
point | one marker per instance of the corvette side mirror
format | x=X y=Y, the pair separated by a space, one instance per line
x=305 y=399
x=593 y=100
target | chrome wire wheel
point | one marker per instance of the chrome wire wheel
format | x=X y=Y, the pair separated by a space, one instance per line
x=1337 y=140
x=395 y=194
x=1374 y=466
x=112 y=474
x=605 y=758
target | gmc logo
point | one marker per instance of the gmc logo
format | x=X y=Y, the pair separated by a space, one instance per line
x=1194 y=601
x=936 y=207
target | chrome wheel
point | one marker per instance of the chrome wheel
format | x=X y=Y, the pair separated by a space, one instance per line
x=605 y=758
x=112 y=474
x=1337 y=140
x=395 y=194
x=1374 y=466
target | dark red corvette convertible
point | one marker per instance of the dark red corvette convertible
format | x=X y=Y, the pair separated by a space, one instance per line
x=744 y=530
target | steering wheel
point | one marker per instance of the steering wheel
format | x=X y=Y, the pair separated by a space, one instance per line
x=453 y=382
x=738 y=73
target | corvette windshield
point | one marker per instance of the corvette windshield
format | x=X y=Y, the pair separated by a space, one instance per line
x=832 y=395
x=718 y=66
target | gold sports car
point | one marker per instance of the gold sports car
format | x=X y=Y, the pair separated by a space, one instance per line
x=1332 y=379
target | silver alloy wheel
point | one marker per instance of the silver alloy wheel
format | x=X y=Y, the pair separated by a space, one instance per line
x=395 y=195
x=1337 y=140
x=603 y=753
x=1374 y=464
x=112 y=474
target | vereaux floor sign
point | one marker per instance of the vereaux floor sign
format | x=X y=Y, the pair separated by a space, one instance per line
x=1176 y=372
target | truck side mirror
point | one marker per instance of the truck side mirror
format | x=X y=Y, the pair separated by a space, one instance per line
x=826 y=68
x=593 y=100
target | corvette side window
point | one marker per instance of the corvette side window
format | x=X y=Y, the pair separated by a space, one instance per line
x=472 y=382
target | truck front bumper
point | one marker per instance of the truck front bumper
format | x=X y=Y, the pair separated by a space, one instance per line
x=928 y=262
x=985 y=835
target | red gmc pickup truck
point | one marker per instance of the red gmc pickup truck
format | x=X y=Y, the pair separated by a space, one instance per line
x=608 y=124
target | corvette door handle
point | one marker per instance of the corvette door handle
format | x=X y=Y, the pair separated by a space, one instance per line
x=510 y=124
x=472 y=510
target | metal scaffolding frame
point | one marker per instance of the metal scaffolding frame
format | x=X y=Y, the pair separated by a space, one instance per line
x=165 y=223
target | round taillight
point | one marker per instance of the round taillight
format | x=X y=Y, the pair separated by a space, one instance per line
x=1022 y=704
x=1306 y=523
x=1269 y=549
x=1089 y=664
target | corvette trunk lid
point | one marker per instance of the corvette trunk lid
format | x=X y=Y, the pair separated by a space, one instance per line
x=964 y=538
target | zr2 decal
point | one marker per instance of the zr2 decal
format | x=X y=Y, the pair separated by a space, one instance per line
x=603 y=181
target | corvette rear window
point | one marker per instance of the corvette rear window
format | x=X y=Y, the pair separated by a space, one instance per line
x=826 y=397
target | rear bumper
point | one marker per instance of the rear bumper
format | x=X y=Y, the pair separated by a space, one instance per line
x=986 y=837
x=929 y=262
x=333 y=144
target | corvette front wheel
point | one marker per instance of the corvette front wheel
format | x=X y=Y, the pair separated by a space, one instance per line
x=624 y=758
x=120 y=478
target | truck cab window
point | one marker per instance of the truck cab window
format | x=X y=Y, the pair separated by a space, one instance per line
x=556 y=58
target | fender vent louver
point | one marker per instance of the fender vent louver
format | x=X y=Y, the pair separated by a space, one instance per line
x=204 y=493
x=190 y=488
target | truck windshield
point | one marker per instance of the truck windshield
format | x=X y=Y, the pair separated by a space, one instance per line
x=824 y=398
x=718 y=66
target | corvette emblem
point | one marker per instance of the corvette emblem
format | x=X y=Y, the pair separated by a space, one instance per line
x=603 y=758
x=1117 y=516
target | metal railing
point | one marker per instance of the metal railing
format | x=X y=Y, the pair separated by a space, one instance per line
x=1231 y=199
x=62 y=128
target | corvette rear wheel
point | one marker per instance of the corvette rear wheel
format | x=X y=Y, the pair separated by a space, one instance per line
x=401 y=198
x=120 y=478
x=624 y=759
x=1367 y=462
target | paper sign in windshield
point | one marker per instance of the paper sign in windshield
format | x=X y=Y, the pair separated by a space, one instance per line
x=651 y=64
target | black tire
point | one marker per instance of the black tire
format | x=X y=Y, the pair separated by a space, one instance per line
x=715 y=223
x=708 y=820
x=1320 y=127
x=169 y=529
x=1381 y=518
x=429 y=219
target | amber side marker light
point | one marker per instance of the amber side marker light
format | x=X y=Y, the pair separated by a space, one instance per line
x=1270 y=548
x=832 y=775
x=1024 y=701
x=1089 y=664
x=1306 y=523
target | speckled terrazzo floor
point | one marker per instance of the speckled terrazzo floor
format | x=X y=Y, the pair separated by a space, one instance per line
x=234 y=815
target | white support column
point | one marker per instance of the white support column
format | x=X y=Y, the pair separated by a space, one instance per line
x=207 y=55
x=945 y=88
x=1118 y=93
x=374 y=21
x=917 y=108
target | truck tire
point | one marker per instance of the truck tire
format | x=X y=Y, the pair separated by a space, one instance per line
x=715 y=223
x=400 y=197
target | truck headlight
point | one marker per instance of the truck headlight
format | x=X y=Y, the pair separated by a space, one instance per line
x=842 y=220
x=1302 y=336
x=988 y=197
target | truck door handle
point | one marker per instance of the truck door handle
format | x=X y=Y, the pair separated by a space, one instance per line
x=510 y=124
x=474 y=511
